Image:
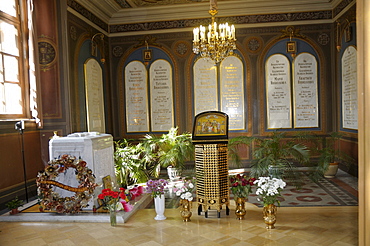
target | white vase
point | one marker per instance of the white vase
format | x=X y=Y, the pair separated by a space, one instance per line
x=159 y=207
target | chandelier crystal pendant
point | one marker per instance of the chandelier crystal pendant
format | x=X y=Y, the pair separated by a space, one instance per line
x=216 y=43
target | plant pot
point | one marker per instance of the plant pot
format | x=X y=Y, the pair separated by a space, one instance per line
x=14 y=211
x=173 y=173
x=332 y=170
x=269 y=215
x=185 y=209
x=275 y=172
x=240 y=207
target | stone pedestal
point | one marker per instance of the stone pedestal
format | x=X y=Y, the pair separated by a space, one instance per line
x=96 y=149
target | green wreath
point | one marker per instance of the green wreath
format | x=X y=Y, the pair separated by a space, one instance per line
x=83 y=193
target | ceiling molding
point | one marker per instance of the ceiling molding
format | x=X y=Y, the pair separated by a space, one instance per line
x=225 y=9
x=112 y=13
x=240 y=26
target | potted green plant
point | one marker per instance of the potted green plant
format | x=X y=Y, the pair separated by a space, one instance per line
x=273 y=155
x=330 y=155
x=171 y=150
x=234 y=146
x=130 y=165
x=14 y=204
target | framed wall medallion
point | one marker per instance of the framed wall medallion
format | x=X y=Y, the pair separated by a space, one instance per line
x=47 y=54
x=254 y=44
x=291 y=47
x=147 y=55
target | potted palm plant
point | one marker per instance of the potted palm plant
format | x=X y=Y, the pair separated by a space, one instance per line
x=13 y=205
x=273 y=155
x=171 y=150
x=130 y=165
x=330 y=155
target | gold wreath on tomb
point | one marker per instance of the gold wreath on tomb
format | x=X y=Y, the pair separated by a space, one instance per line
x=46 y=182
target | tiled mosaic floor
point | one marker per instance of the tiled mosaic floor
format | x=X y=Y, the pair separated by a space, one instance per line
x=325 y=192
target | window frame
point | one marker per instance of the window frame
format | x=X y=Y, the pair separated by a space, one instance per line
x=20 y=23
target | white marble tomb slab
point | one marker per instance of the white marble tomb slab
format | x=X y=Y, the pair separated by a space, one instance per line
x=96 y=149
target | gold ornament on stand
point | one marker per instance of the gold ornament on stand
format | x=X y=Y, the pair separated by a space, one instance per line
x=185 y=209
x=240 y=208
x=269 y=215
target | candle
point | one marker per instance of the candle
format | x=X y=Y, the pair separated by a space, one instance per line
x=196 y=34
x=222 y=31
x=202 y=33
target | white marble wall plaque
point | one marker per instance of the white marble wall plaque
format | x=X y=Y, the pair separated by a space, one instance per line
x=349 y=89
x=94 y=96
x=205 y=86
x=232 y=91
x=278 y=90
x=161 y=96
x=136 y=85
x=306 y=113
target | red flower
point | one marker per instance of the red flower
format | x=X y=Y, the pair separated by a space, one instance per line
x=141 y=189
x=241 y=185
x=114 y=194
x=111 y=197
x=122 y=195
x=105 y=191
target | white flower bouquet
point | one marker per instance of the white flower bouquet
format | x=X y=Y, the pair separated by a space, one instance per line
x=185 y=191
x=269 y=189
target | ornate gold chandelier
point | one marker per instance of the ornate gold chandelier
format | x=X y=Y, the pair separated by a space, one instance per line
x=218 y=42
